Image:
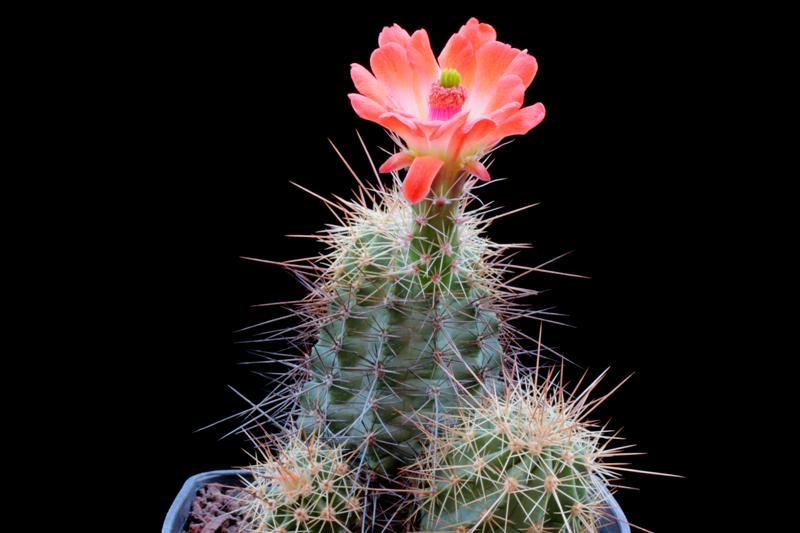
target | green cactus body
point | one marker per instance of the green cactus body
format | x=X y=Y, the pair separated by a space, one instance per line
x=404 y=369
x=520 y=463
x=409 y=328
x=306 y=487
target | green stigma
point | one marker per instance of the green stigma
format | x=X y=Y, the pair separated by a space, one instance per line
x=450 y=78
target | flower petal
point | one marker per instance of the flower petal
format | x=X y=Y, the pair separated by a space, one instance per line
x=492 y=61
x=397 y=161
x=452 y=124
x=459 y=54
x=520 y=122
x=468 y=139
x=524 y=66
x=366 y=108
x=502 y=114
x=426 y=70
x=508 y=89
x=476 y=168
x=406 y=128
x=420 y=177
x=391 y=67
x=394 y=34
x=478 y=33
x=367 y=85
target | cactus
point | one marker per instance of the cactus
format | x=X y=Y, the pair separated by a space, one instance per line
x=407 y=358
x=523 y=461
x=306 y=486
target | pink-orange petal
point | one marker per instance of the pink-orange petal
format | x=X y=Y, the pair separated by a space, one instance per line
x=509 y=89
x=367 y=85
x=492 y=61
x=500 y=115
x=476 y=168
x=524 y=66
x=391 y=67
x=451 y=125
x=471 y=135
x=411 y=124
x=521 y=122
x=459 y=54
x=478 y=33
x=393 y=34
x=426 y=70
x=366 y=108
x=420 y=177
x=397 y=161
x=427 y=128
x=407 y=129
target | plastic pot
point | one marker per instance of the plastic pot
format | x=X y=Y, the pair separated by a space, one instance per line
x=178 y=513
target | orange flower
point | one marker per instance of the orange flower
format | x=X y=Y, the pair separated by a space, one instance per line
x=450 y=112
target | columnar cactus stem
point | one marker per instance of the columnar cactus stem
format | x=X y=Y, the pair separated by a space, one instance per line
x=409 y=328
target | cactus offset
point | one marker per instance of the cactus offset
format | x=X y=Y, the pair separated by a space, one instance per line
x=523 y=461
x=305 y=487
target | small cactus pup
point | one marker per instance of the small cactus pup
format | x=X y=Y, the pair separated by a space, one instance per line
x=412 y=289
x=526 y=460
x=304 y=486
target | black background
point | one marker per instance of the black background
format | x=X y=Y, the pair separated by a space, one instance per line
x=247 y=103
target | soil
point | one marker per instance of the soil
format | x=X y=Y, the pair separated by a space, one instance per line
x=214 y=510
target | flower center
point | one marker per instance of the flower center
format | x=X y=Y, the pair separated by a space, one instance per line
x=447 y=96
